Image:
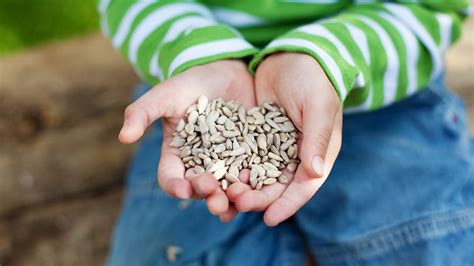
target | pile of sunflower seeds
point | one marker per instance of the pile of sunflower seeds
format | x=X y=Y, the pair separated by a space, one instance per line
x=223 y=138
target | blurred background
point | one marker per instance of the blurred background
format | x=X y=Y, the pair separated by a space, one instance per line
x=62 y=93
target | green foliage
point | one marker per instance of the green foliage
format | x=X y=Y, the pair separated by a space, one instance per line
x=24 y=23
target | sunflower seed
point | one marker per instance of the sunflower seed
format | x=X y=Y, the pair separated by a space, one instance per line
x=269 y=167
x=216 y=166
x=269 y=106
x=229 y=125
x=262 y=141
x=224 y=184
x=283 y=179
x=185 y=152
x=270 y=181
x=202 y=103
x=199 y=170
x=212 y=117
x=177 y=142
x=284 y=156
x=287 y=144
x=273 y=173
x=274 y=156
x=219 y=174
x=291 y=167
x=223 y=138
x=242 y=115
x=192 y=117
x=221 y=120
x=230 y=134
x=238 y=151
x=227 y=111
x=180 y=125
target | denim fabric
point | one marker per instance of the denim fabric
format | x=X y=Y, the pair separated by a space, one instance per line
x=401 y=193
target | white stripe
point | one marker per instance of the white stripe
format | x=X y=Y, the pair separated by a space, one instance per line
x=127 y=20
x=103 y=5
x=328 y=60
x=319 y=30
x=237 y=18
x=185 y=24
x=104 y=25
x=208 y=49
x=360 y=40
x=405 y=16
x=445 y=25
x=362 y=43
x=323 y=2
x=360 y=2
x=412 y=53
x=390 y=79
x=155 y=69
x=155 y=19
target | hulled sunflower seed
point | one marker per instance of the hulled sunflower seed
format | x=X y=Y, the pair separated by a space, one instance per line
x=202 y=104
x=291 y=167
x=283 y=179
x=270 y=181
x=223 y=138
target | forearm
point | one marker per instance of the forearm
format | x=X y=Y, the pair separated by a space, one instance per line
x=376 y=54
x=164 y=38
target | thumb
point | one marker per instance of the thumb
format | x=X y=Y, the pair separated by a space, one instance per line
x=318 y=124
x=147 y=109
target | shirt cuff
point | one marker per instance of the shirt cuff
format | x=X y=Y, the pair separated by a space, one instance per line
x=342 y=75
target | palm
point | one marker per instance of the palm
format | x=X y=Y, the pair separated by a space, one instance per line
x=228 y=80
x=292 y=92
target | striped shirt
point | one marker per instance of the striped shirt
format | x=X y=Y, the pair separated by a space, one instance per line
x=374 y=52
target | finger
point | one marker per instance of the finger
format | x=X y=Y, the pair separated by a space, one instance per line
x=171 y=173
x=244 y=176
x=203 y=185
x=235 y=190
x=299 y=191
x=228 y=215
x=157 y=102
x=318 y=123
x=217 y=203
x=259 y=200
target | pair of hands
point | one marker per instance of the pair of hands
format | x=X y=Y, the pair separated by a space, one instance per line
x=293 y=81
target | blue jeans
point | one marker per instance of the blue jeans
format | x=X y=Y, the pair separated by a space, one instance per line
x=401 y=193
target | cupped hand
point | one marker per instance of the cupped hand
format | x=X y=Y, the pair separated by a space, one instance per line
x=297 y=83
x=228 y=79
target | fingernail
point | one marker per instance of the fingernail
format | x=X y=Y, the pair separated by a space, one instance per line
x=318 y=165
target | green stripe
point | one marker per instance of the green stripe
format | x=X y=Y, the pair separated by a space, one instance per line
x=378 y=60
x=359 y=95
x=150 y=45
x=147 y=11
x=198 y=36
x=244 y=54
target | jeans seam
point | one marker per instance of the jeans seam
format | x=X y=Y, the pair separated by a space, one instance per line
x=399 y=236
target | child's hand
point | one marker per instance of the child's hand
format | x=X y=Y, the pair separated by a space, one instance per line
x=297 y=83
x=228 y=79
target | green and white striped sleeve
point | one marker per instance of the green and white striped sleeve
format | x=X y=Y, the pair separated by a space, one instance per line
x=164 y=38
x=378 y=53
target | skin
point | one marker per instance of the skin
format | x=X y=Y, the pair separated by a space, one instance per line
x=297 y=83
x=293 y=81
x=169 y=100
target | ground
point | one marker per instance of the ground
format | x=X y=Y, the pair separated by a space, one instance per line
x=61 y=167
